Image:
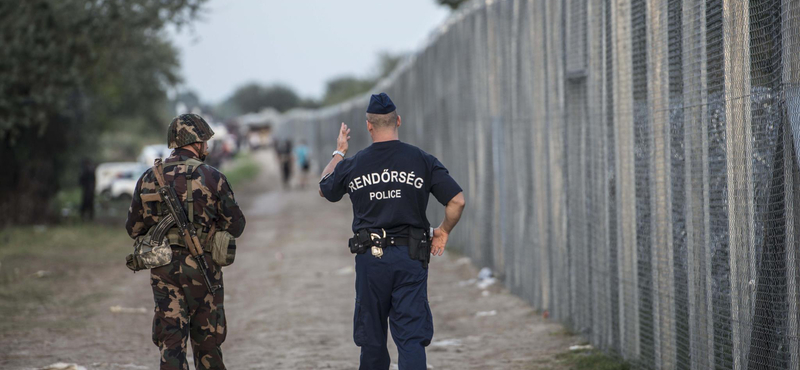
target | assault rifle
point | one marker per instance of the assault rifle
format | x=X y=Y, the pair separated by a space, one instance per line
x=185 y=228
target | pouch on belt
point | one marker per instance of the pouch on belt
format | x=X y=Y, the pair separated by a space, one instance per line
x=419 y=245
x=360 y=242
x=223 y=248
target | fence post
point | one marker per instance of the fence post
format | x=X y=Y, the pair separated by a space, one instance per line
x=790 y=28
x=736 y=40
x=540 y=153
x=623 y=136
x=662 y=252
x=554 y=56
x=697 y=217
x=597 y=167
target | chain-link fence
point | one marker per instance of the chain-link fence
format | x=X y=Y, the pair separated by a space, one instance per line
x=629 y=166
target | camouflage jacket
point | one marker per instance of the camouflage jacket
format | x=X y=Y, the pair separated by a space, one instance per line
x=212 y=203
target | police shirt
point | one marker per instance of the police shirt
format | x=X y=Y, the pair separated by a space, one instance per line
x=389 y=183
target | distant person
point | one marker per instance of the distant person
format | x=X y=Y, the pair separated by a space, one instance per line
x=185 y=308
x=87 y=182
x=303 y=162
x=284 y=149
x=389 y=184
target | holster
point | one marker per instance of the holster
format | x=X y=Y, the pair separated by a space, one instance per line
x=419 y=245
x=360 y=242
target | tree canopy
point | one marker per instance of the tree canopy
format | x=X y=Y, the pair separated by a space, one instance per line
x=69 y=71
x=254 y=97
x=452 y=4
x=342 y=88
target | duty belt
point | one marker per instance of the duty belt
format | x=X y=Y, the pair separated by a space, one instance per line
x=417 y=240
x=396 y=240
x=378 y=243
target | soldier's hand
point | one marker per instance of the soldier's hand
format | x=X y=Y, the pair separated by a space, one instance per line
x=439 y=241
x=344 y=136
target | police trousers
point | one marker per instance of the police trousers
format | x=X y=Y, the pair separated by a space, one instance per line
x=184 y=308
x=392 y=287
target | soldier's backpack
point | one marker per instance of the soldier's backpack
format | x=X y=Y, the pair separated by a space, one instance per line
x=152 y=249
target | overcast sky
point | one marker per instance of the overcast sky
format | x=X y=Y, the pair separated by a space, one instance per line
x=301 y=43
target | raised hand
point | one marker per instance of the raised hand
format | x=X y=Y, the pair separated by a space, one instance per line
x=344 y=136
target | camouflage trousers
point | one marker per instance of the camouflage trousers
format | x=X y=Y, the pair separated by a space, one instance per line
x=185 y=308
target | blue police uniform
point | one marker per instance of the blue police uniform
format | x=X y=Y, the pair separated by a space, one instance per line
x=389 y=184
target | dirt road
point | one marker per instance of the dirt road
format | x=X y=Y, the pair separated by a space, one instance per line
x=289 y=301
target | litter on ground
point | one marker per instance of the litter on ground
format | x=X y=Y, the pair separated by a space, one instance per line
x=485 y=283
x=580 y=347
x=63 y=366
x=345 y=270
x=446 y=343
x=486 y=313
x=41 y=273
x=485 y=278
x=120 y=309
x=467 y=282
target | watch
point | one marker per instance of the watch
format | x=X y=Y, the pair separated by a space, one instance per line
x=335 y=152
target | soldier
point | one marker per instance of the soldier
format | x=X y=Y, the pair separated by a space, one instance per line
x=184 y=307
x=389 y=184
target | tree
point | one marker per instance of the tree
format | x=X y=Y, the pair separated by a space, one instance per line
x=342 y=88
x=387 y=62
x=69 y=70
x=254 y=97
x=452 y=4
x=309 y=103
x=188 y=98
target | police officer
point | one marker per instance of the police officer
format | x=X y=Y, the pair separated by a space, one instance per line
x=184 y=307
x=389 y=183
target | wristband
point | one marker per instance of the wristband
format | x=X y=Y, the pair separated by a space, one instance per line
x=335 y=152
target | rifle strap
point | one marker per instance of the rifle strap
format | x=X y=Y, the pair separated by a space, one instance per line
x=158 y=172
x=193 y=164
x=189 y=200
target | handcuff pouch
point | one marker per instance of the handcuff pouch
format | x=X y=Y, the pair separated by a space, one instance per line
x=360 y=242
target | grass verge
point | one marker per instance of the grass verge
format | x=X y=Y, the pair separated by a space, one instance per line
x=242 y=169
x=42 y=269
x=592 y=360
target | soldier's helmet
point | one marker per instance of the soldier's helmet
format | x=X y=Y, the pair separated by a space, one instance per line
x=187 y=129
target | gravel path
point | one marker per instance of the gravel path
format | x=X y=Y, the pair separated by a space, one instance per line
x=289 y=302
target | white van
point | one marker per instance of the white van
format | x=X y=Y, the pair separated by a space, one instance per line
x=107 y=173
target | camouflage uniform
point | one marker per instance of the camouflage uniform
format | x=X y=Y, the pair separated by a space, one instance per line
x=183 y=305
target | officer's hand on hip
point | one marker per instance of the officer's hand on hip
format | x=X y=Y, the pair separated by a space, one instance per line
x=344 y=136
x=439 y=241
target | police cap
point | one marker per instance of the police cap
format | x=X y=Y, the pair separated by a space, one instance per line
x=380 y=104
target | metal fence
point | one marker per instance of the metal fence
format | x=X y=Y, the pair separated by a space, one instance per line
x=629 y=166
